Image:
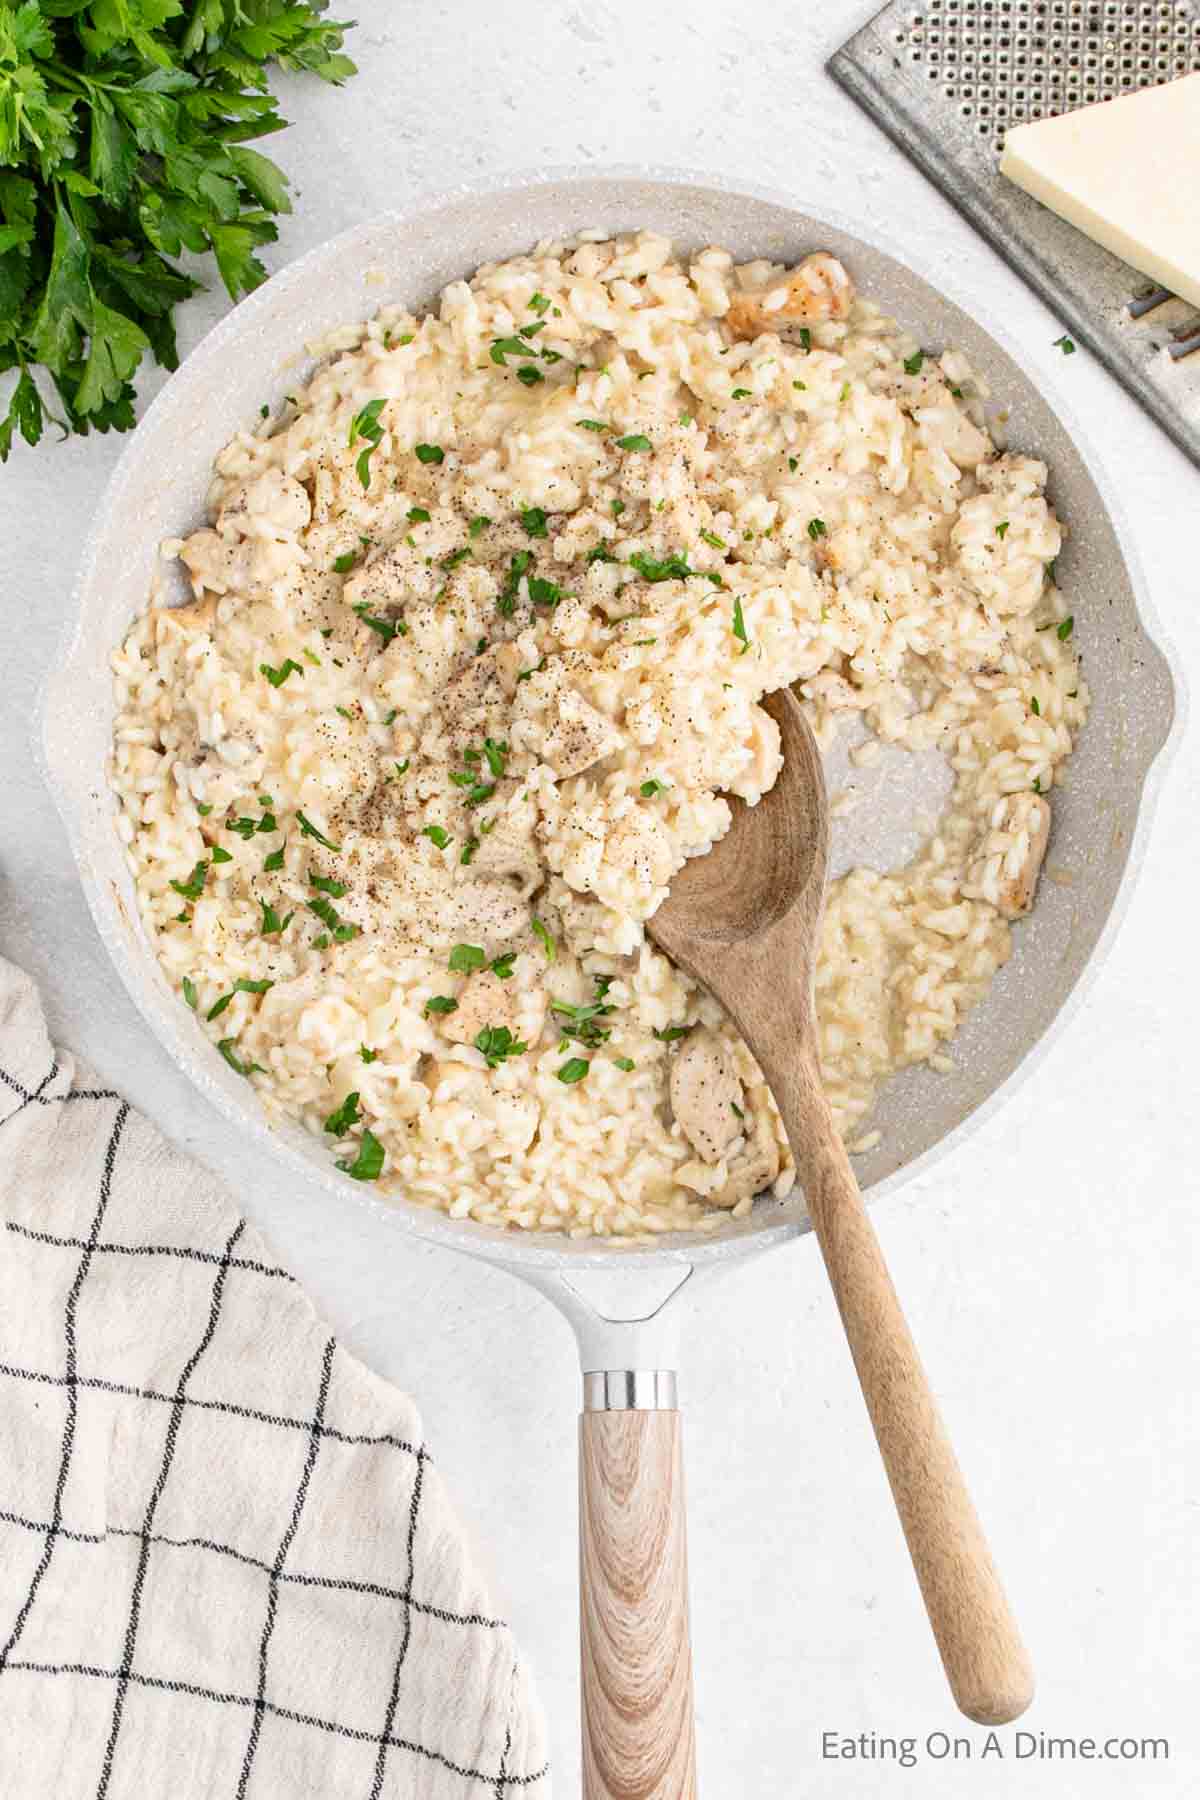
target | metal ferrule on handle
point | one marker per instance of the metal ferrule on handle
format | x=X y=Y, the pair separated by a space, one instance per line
x=630 y=1390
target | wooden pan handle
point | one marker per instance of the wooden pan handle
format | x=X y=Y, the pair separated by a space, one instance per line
x=638 y=1735
x=985 y=1661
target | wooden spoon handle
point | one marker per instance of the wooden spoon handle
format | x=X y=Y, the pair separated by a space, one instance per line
x=985 y=1661
x=638 y=1735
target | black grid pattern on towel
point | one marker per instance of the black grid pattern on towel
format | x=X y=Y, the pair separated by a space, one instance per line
x=46 y=1516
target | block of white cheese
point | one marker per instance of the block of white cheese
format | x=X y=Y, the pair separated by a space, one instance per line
x=1126 y=172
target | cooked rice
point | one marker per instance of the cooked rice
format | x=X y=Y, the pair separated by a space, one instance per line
x=847 y=525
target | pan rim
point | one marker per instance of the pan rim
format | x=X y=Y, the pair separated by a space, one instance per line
x=511 y=1248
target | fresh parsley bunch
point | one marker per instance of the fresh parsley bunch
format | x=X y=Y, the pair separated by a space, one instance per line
x=124 y=127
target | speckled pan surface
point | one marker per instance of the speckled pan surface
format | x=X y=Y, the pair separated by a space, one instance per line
x=158 y=490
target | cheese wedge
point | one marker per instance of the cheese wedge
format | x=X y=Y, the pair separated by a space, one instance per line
x=1125 y=172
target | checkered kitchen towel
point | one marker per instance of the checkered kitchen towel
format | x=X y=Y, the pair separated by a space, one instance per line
x=227 y=1564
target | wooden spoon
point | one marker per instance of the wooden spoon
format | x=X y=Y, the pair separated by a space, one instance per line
x=745 y=920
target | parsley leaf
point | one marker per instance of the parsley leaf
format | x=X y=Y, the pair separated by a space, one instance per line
x=529 y=375
x=278 y=676
x=496 y=1043
x=739 y=628
x=338 y=1123
x=272 y=924
x=1067 y=627
x=310 y=830
x=534 y=520
x=365 y=424
x=593 y=425
x=573 y=1070
x=913 y=364
x=538 y=303
x=368 y=1164
x=625 y=1062
x=816 y=529
x=650 y=788
x=189 y=991
x=368 y=1056
x=671 y=568
x=193 y=887
x=671 y=1033
x=228 y=1049
x=441 y=1003
x=636 y=440
x=437 y=834
x=1065 y=344
x=1002 y=529
x=466 y=957
x=547 y=942
x=429 y=453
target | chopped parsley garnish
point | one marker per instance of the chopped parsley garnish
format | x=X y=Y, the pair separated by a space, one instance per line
x=1036 y=705
x=1067 y=627
x=278 y=676
x=582 y=1022
x=593 y=425
x=801 y=386
x=524 y=674
x=618 y=507
x=538 y=303
x=543 y=936
x=338 y=1123
x=529 y=376
x=193 y=887
x=1002 y=528
x=455 y=557
x=1052 y=570
x=328 y=915
x=221 y=856
x=742 y=394
x=671 y=568
x=436 y=835
x=913 y=364
x=573 y=1070
x=496 y=1043
x=312 y=657
x=496 y=753
x=189 y=991
x=671 y=1033
x=228 y=1049
x=202 y=809
x=625 y=1062
x=310 y=830
x=739 y=628
x=272 y=924
x=845 y=393
x=441 y=1003
x=401 y=768
x=275 y=860
x=710 y=537
x=650 y=788
x=636 y=440
x=468 y=851
x=344 y=563
x=368 y=1056
x=600 y=553
x=324 y=885
x=239 y=987
x=543 y=592
x=1037 y=784
x=1065 y=344
x=793 y=465
x=417 y=515
x=429 y=453
x=805 y=336
x=345 y=711
x=386 y=628
x=247 y=828
x=365 y=424
x=502 y=965
x=530 y=331
x=478 y=524
x=506 y=603
x=534 y=520
x=505 y=347
x=466 y=957
x=816 y=529
x=368 y=1164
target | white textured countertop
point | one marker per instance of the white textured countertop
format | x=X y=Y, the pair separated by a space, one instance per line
x=1049 y=1267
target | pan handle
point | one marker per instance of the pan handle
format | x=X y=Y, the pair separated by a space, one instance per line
x=638 y=1733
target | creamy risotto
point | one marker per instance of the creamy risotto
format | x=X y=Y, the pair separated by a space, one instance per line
x=478 y=637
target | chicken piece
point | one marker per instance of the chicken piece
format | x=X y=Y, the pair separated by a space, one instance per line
x=193 y=620
x=485 y=1000
x=706 y=1095
x=505 y=852
x=816 y=290
x=489 y=913
x=579 y=737
x=269 y=505
x=1029 y=814
x=755 y=1166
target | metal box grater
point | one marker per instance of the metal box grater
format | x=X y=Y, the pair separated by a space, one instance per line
x=945 y=78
